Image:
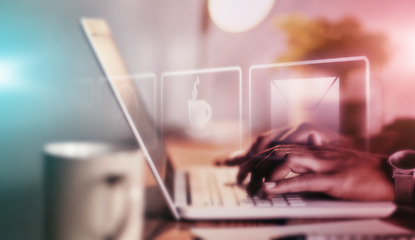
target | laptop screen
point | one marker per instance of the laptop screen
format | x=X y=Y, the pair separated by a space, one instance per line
x=126 y=90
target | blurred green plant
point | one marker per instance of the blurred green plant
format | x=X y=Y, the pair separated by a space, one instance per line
x=321 y=38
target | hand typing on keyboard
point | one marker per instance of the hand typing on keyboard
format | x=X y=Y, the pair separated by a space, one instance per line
x=323 y=161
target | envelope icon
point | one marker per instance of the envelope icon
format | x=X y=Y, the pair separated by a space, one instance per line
x=306 y=93
x=314 y=100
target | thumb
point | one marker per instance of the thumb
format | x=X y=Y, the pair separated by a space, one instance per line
x=302 y=183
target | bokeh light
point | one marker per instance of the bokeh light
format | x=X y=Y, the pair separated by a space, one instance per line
x=238 y=15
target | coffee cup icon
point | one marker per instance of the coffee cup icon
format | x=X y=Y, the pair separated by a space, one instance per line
x=200 y=113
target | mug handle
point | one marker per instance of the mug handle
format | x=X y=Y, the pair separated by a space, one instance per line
x=208 y=112
x=112 y=181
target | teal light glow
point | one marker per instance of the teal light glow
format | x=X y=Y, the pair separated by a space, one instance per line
x=5 y=74
x=9 y=73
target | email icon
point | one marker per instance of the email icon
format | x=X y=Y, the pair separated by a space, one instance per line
x=305 y=93
x=298 y=100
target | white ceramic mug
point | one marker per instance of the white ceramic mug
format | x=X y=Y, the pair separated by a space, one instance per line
x=200 y=113
x=93 y=191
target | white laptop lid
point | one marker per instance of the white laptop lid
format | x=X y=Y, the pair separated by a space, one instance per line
x=145 y=132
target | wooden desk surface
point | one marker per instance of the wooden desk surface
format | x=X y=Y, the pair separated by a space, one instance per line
x=160 y=225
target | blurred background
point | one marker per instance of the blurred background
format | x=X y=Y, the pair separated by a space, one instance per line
x=50 y=87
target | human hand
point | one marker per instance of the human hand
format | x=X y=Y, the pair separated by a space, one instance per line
x=341 y=173
x=305 y=134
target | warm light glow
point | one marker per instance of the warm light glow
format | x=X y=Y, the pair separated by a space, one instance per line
x=238 y=15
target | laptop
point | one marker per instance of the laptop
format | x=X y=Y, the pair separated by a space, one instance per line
x=205 y=193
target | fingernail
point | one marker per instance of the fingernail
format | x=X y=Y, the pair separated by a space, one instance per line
x=269 y=185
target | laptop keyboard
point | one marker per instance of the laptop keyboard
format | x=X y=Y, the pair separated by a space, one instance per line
x=217 y=187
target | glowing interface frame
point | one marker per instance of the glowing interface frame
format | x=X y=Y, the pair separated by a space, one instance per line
x=202 y=71
x=311 y=62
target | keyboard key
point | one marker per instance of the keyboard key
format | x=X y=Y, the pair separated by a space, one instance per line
x=229 y=202
x=279 y=199
x=279 y=202
x=214 y=191
x=246 y=202
x=262 y=202
x=201 y=203
x=293 y=196
x=217 y=202
x=296 y=202
x=217 y=188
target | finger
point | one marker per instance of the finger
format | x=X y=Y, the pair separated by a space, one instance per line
x=280 y=172
x=308 y=161
x=257 y=145
x=238 y=159
x=259 y=173
x=314 y=139
x=244 y=170
x=249 y=165
x=275 y=138
x=267 y=140
x=297 y=134
x=301 y=183
x=235 y=161
x=255 y=183
x=293 y=162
